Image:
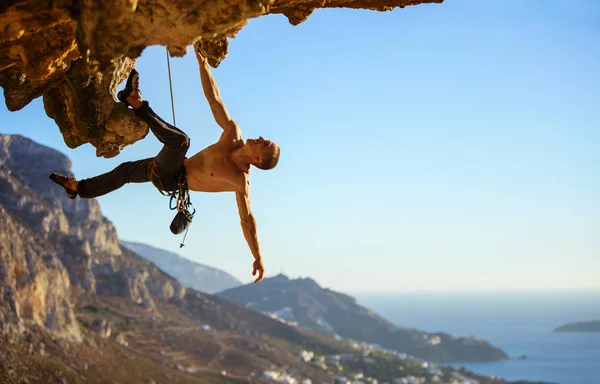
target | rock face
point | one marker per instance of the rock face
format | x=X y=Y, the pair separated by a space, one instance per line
x=34 y=285
x=193 y=275
x=49 y=243
x=76 y=53
x=27 y=191
x=304 y=302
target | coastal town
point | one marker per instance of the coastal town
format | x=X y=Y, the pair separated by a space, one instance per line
x=366 y=364
x=364 y=367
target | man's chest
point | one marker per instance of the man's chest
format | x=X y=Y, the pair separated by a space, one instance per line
x=213 y=172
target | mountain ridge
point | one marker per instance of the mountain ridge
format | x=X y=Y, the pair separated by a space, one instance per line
x=191 y=274
x=304 y=302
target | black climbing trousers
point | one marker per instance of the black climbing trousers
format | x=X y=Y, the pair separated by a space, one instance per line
x=162 y=170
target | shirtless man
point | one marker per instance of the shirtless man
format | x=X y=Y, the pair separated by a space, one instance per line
x=221 y=167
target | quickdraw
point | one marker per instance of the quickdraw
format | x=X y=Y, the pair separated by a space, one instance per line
x=184 y=217
x=181 y=195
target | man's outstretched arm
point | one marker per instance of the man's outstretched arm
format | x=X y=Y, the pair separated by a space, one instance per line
x=249 y=228
x=213 y=95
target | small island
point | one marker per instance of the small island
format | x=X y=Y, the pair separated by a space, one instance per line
x=587 y=326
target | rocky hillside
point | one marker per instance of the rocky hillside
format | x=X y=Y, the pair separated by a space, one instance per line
x=65 y=233
x=304 y=302
x=75 y=53
x=193 y=275
x=75 y=307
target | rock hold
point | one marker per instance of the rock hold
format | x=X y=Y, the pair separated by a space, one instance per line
x=75 y=53
x=85 y=109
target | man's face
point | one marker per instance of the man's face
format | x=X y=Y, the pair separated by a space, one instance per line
x=259 y=147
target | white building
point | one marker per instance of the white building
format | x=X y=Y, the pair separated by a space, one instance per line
x=307 y=355
x=341 y=380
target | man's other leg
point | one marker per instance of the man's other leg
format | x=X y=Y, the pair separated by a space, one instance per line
x=128 y=172
x=167 y=134
x=169 y=160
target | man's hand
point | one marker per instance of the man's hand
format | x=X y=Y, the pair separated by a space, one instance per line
x=199 y=56
x=258 y=267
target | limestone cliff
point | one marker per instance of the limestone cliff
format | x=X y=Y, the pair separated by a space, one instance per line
x=26 y=189
x=34 y=285
x=50 y=244
x=76 y=53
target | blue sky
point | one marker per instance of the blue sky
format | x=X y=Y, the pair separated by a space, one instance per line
x=447 y=146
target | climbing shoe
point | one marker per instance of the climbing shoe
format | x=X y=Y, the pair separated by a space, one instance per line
x=132 y=86
x=63 y=181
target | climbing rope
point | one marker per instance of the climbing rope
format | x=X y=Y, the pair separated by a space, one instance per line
x=171 y=85
x=183 y=200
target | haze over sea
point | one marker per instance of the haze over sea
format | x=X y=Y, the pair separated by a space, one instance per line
x=520 y=323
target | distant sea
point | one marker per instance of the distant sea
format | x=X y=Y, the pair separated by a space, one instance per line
x=519 y=323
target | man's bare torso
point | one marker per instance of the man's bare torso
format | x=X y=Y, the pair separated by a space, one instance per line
x=211 y=170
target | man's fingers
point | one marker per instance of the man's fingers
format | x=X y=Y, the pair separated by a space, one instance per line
x=260 y=275
x=257 y=267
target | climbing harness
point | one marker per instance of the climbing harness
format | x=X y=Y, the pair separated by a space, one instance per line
x=181 y=193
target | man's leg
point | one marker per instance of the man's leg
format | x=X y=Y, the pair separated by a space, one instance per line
x=166 y=133
x=169 y=135
x=169 y=160
x=128 y=172
x=164 y=168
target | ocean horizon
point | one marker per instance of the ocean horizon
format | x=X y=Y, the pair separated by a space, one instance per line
x=520 y=323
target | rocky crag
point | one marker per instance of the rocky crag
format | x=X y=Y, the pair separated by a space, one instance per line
x=50 y=242
x=75 y=53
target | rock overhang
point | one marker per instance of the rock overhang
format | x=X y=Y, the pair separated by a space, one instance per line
x=74 y=54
